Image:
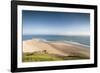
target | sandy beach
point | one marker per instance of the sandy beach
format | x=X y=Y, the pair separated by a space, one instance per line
x=58 y=48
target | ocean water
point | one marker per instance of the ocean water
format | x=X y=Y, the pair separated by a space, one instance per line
x=85 y=40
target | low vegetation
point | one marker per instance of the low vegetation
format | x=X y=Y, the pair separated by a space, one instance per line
x=38 y=56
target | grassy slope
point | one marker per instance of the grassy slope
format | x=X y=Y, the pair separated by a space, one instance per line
x=39 y=57
x=48 y=57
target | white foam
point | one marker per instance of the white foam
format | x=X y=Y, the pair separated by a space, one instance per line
x=76 y=43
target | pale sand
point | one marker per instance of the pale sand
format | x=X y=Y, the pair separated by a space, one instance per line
x=60 y=48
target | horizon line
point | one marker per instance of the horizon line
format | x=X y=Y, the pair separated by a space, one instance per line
x=58 y=34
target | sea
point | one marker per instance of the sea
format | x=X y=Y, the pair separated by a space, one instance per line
x=85 y=40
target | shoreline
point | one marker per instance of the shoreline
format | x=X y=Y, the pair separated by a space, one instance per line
x=35 y=50
x=35 y=45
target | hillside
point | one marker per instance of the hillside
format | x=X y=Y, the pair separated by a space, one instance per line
x=39 y=50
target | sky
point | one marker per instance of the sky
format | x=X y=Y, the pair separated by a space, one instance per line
x=55 y=23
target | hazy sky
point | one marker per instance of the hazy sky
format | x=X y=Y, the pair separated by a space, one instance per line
x=57 y=23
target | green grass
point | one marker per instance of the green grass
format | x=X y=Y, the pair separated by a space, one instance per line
x=29 y=57
x=74 y=58
x=40 y=57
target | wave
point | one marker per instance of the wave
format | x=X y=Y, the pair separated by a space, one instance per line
x=77 y=43
x=43 y=40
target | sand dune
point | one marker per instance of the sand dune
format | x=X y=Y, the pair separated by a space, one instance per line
x=60 y=48
x=37 y=45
